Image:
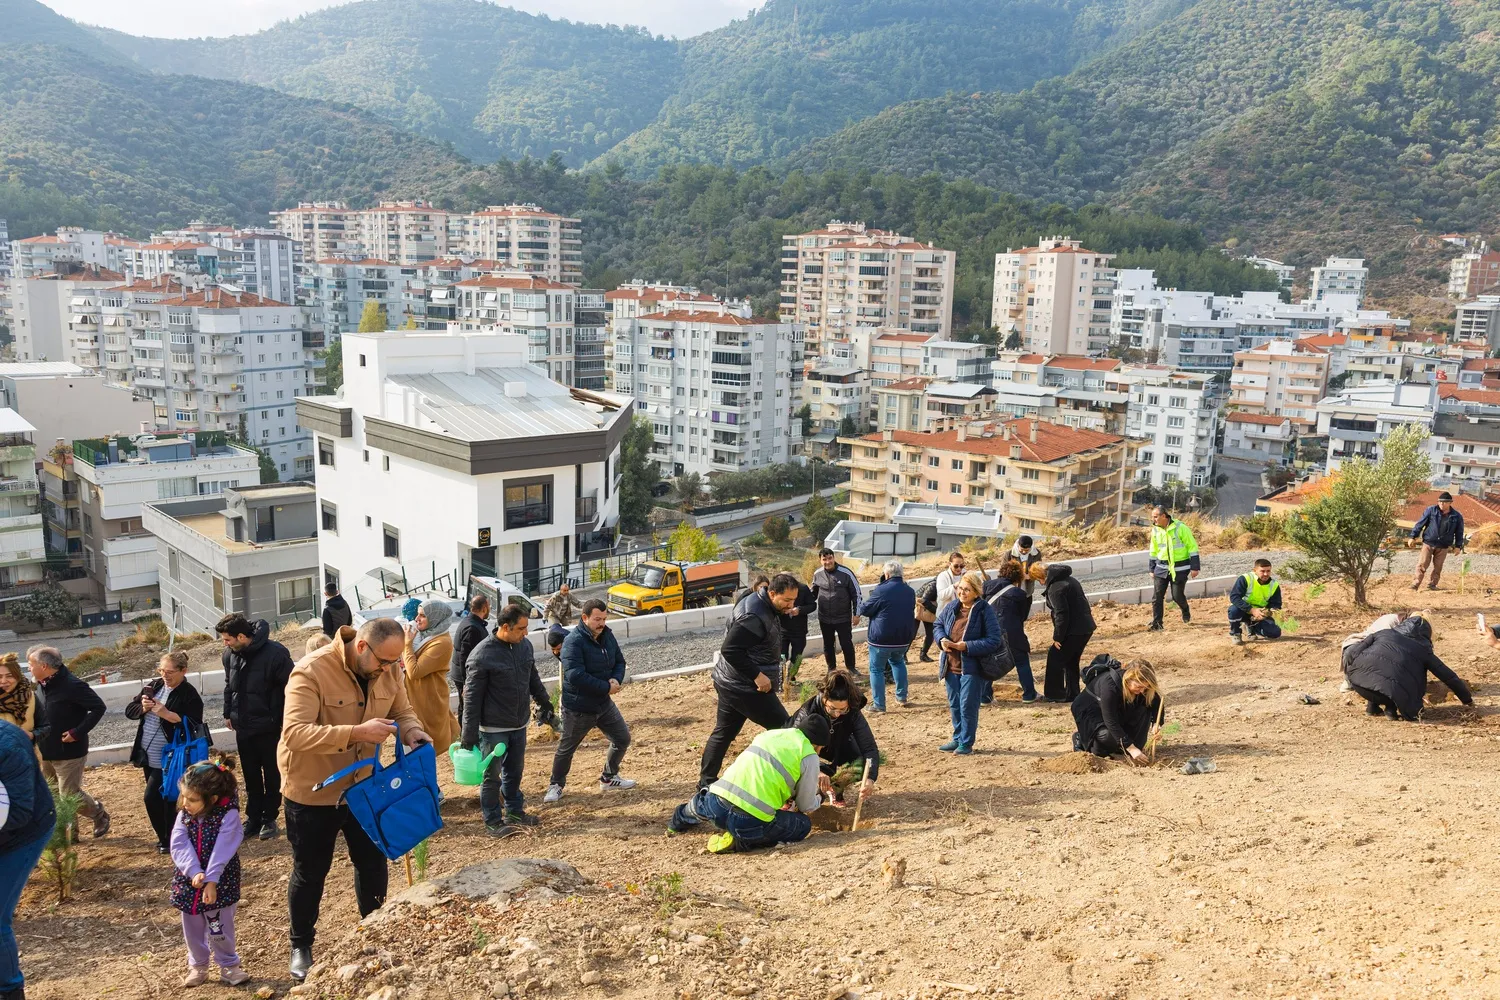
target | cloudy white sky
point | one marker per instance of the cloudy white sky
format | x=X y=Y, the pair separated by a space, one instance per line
x=191 y=18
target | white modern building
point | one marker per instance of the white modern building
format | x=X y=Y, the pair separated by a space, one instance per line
x=117 y=475
x=1259 y=437
x=335 y=291
x=446 y=454
x=716 y=387
x=1345 y=276
x=1171 y=420
x=42 y=307
x=1479 y=319
x=1356 y=420
x=1056 y=296
x=1284 y=272
x=522 y=238
x=1465 y=441
x=23 y=548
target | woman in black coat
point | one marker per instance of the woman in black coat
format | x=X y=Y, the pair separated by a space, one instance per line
x=1117 y=711
x=162 y=718
x=1389 y=670
x=1072 y=627
x=840 y=700
x=1013 y=606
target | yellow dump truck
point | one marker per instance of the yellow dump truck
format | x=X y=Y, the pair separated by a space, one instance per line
x=655 y=587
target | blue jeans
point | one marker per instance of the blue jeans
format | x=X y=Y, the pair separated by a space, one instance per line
x=1023 y=671
x=880 y=658
x=964 y=691
x=503 y=776
x=15 y=868
x=1265 y=628
x=786 y=827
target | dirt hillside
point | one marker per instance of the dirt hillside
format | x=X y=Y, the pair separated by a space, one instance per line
x=1331 y=855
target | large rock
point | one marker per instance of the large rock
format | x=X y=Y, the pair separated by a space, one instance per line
x=496 y=882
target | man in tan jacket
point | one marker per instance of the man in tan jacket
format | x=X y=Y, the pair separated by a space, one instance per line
x=341 y=703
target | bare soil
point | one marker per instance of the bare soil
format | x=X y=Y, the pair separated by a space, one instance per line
x=1331 y=855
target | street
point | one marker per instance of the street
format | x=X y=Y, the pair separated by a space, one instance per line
x=1237 y=496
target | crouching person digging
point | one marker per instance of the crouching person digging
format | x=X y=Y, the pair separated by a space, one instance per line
x=764 y=797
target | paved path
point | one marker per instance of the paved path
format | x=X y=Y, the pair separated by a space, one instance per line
x=1238 y=496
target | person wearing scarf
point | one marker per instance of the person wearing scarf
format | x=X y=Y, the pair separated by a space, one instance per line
x=19 y=704
x=429 y=648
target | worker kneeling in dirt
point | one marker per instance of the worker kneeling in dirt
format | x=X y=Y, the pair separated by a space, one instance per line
x=1118 y=709
x=1254 y=598
x=1389 y=670
x=764 y=796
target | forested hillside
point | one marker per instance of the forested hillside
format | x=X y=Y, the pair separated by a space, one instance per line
x=493 y=81
x=1283 y=122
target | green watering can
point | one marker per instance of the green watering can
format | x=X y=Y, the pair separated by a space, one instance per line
x=469 y=765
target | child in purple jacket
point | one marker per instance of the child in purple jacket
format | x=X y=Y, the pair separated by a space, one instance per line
x=205 y=845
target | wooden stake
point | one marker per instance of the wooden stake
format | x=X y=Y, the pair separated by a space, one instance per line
x=407 y=859
x=1161 y=706
x=858 y=806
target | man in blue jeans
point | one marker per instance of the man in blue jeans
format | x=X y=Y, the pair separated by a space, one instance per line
x=764 y=796
x=892 y=612
x=26 y=820
x=500 y=682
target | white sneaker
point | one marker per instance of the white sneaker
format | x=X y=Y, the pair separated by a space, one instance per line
x=616 y=783
x=554 y=792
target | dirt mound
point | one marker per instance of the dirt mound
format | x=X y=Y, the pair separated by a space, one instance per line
x=1076 y=762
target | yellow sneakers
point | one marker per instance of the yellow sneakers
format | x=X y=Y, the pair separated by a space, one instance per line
x=721 y=843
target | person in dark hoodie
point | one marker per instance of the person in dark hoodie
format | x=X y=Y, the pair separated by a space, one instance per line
x=336 y=612
x=471 y=630
x=891 y=611
x=593 y=669
x=256 y=671
x=850 y=741
x=793 y=623
x=1389 y=670
x=1117 y=711
x=1072 y=627
x=747 y=671
x=1013 y=606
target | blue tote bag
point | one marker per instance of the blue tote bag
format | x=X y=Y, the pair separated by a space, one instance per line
x=188 y=746
x=397 y=804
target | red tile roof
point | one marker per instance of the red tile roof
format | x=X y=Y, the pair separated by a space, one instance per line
x=1324 y=340
x=1031 y=359
x=1481 y=364
x=174 y=245
x=689 y=316
x=1076 y=362
x=89 y=272
x=161 y=283
x=656 y=295
x=1476 y=512
x=1490 y=396
x=514 y=211
x=40 y=239
x=905 y=338
x=367 y=262
x=1053 y=441
x=915 y=382
x=527 y=283
x=1266 y=419
x=221 y=298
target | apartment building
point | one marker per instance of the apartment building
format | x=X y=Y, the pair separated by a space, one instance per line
x=592 y=340
x=1259 y=437
x=1340 y=276
x=63 y=401
x=39 y=255
x=324 y=229
x=259 y=261
x=1284 y=272
x=117 y=475
x=465 y=417
x=925 y=404
x=1067 y=389
x=716 y=387
x=7 y=258
x=253 y=549
x=406 y=232
x=1465 y=441
x=1281 y=379
x=834 y=395
x=957 y=361
x=845 y=278
x=43 y=305
x=62 y=513
x=1171 y=418
x=628 y=302
x=1355 y=420
x=1056 y=296
x=1479 y=319
x=23 y=548
x=335 y=291
x=542 y=310
x=1041 y=476
x=1474 y=273
x=523 y=238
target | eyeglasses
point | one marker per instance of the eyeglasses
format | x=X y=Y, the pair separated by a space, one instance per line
x=385 y=663
x=835 y=712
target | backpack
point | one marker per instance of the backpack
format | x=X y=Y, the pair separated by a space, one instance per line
x=1098 y=667
x=397 y=806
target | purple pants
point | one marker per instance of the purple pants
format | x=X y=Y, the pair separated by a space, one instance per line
x=213 y=931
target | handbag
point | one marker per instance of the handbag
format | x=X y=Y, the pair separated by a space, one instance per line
x=994 y=666
x=188 y=746
x=397 y=804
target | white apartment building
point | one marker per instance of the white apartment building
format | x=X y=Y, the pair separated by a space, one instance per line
x=1281 y=379
x=835 y=394
x=1171 y=420
x=634 y=299
x=716 y=387
x=464 y=417
x=1465 y=441
x=41 y=254
x=23 y=547
x=323 y=228
x=404 y=232
x=542 y=310
x=523 y=238
x=336 y=289
x=1340 y=276
x=1285 y=273
x=1357 y=419
x=845 y=278
x=957 y=361
x=117 y=475
x=43 y=307
x=1479 y=319
x=259 y=261
x=63 y=401
x=1057 y=296
x=927 y=404
x=1259 y=437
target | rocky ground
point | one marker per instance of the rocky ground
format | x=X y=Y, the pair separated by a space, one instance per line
x=1330 y=855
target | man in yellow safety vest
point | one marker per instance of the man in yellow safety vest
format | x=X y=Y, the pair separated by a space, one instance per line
x=763 y=797
x=1173 y=560
x=1253 y=599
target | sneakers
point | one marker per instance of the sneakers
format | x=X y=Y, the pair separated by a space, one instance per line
x=521 y=819
x=613 y=782
x=1029 y=698
x=1077 y=742
x=234 y=976
x=1155 y=627
x=1372 y=709
x=901 y=703
x=1236 y=639
x=950 y=746
x=269 y=832
x=1417 y=585
x=721 y=843
x=962 y=750
x=554 y=792
x=195 y=976
x=502 y=831
x=101 y=821
x=1187 y=617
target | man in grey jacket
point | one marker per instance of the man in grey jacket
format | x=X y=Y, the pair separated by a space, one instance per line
x=837 y=590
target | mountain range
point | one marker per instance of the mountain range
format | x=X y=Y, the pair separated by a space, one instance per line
x=1292 y=127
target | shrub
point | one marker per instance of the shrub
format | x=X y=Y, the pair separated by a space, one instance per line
x=777 y=529
x=47 y=605
x=758 y=538
x=60 y=856
x=93 y=658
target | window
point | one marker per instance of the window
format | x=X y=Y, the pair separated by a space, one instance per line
x=933 y=462
x=386 y=462
x=362 y=361
x=295 y=598
x=956 y=488
x=932 y=484
x=173 y=568
x=325 y=453
x=958 y=464
x=331 y=577
x=330 y=517
x=221 y=594
x=528 y=503
x=392 y=542
x=1174 y=422
x=1172 y=459
x=1153 y=400
x=1031 y=474
x=1177 y=401
x=1146 y=457
x=367 y=454
x=1174 y=440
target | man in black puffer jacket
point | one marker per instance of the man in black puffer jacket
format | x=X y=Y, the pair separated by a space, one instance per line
x=1389 y=670
x=336 y=613
x=500 y=682
x=472 y=629
x=255 y=674
x=1072 y=627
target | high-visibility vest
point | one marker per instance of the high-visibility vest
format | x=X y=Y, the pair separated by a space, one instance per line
x=763 y=777
x=1173 y=545
x=1257 y=594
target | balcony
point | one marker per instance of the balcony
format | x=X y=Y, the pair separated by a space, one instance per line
x=18 y=486
x=1038 y=512
x=911 y=492
x=874 y=463
x=20 y=521
x=18 y=453
x=586 y=509
x=867 y=508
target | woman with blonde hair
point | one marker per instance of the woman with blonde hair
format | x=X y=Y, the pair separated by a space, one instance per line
x=18 y=701
x=1117 y=711
x=967 y=630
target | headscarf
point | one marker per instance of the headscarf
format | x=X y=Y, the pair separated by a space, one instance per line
x=14 y=703
x=437 y=613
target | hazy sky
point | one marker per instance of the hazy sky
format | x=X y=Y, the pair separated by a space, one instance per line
x=190 y=18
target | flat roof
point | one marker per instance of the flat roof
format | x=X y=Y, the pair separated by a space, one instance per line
x=12 y=422
x=476 y=408
x=211 y=526
x=34 y=369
